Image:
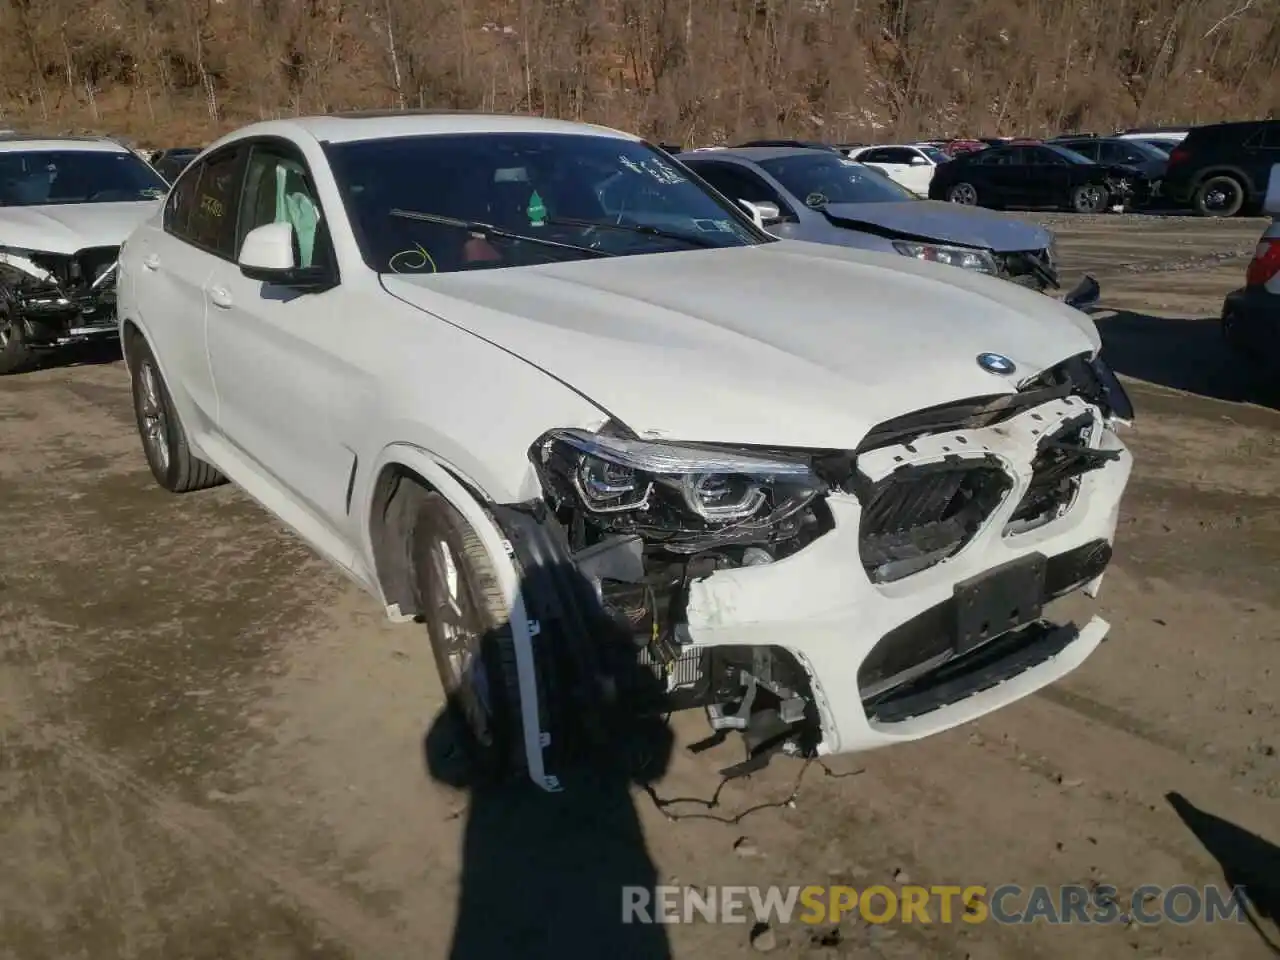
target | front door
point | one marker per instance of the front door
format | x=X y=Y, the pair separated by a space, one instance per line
x=283 y=384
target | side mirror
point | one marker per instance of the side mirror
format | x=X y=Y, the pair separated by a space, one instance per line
x=919 y=161
x=1271 y=204
x=765 y=214
x=267 y=254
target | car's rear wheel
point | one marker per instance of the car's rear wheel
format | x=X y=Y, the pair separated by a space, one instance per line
x=15 y=355
x=164 y=440
x=461 y=601
x=965 y=194
x=1089 y=198
x=1221 y=196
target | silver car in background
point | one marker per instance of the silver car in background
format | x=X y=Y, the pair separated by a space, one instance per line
x=823 y=197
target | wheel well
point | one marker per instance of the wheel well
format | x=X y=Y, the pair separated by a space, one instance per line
x=396 y=493
x=130 y=335
x=1236 y=175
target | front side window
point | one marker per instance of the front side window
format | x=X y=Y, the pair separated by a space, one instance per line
x=447 y=202
x=278 y=189
x=30 y=178
x=821 y=178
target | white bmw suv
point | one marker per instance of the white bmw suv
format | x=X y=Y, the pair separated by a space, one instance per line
x=642 y=460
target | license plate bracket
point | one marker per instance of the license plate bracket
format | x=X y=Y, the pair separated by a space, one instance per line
x=997 y=601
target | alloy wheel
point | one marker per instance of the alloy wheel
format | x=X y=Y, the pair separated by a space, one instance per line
x=155 y=422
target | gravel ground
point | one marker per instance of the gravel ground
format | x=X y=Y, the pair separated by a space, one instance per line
x=211 y=746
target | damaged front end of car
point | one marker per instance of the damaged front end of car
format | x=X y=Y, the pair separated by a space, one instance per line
x=632 y=534
x=55 y=299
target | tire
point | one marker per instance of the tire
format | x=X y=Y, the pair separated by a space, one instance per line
x=15 y=355
x=1220 y=196
x=164 y=441
x=963 y=193
x=462 y=604
x=1089 y=198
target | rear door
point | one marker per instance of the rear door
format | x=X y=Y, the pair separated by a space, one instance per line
x=171 y=263
x=1045 y=176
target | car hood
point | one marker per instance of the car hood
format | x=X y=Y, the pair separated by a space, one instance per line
x=68 y=227
x=943 y=222
x=788 y=343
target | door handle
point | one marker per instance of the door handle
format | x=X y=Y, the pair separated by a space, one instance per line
x=151 y=261
x=220 y=297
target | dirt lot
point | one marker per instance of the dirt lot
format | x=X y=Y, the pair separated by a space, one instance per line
x=212 y=747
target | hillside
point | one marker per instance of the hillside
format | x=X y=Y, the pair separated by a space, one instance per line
x=178 y=71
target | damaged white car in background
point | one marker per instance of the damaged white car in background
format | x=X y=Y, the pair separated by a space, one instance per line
x=639 y=461
x=66 y=203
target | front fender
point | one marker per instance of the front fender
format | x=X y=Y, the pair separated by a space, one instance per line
x=438 y=476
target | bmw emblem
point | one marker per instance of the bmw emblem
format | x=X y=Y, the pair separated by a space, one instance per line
x=996 y=363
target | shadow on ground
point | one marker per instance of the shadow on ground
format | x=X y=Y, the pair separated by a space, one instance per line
x=543 y=874
x=1246 y=859
x=1185 y=354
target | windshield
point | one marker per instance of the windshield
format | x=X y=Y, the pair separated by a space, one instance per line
x=37 y=177
x=934 y=154
x=823 y=178
x=547 y=197
x=1069 y=154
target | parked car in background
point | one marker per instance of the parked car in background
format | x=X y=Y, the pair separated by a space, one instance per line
x=617 y=451
x=812 y=195
x=1162 y=138
x=807 y=144
x=953 y=148
x=1032 y=175
x=1222 y=169
x=905 y=164
x=173 y=161
x=66 y=204
x=1149 y=161
x=1251 y=315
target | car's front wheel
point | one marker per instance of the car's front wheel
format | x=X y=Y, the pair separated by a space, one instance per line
x=164 y=440
x=1089 y=198
x=965 y=194
x=15 y=355
x=461 y=601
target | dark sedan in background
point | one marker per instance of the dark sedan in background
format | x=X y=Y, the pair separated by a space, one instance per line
x=1036 y=175
x=1150 y=161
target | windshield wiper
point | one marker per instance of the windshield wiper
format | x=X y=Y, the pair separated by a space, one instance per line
x=645 y=229
x=489 y=232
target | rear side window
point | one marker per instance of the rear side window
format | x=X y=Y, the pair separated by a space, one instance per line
x=203 y=205
x=1271 y=137
x=177 y=209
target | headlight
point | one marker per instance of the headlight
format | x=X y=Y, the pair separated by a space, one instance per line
x=681 y=491
x=1114 y=396
x=966 y=257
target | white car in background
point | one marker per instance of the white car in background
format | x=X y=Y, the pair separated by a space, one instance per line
x=907 y=164
x=66 y=204
x=626 y=461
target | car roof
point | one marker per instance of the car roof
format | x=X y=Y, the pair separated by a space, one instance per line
x=10 y=143
x=756 y=154
x=383 y=125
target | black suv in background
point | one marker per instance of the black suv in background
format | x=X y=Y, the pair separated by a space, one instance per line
x=1223 y=168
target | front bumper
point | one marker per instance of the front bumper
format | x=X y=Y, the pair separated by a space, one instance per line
x=51 y=322
x=821 y=607
x=1251 y=323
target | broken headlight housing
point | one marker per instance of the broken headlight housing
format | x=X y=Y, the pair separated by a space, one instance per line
x=685 y=496
x=968 y=258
